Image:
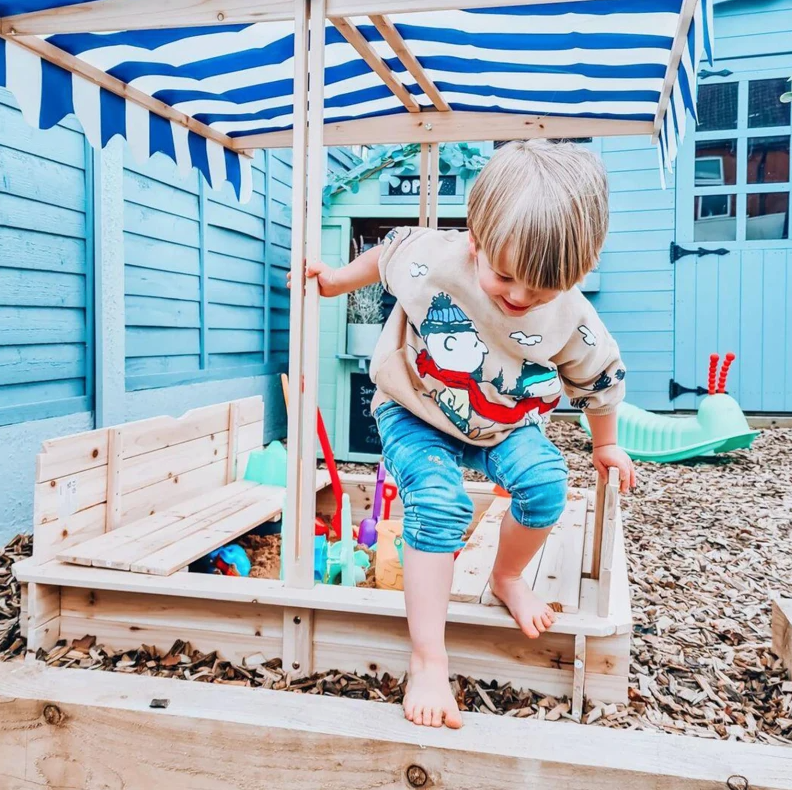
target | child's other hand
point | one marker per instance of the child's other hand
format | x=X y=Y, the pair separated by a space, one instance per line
x=609 y=455
x=325 y=275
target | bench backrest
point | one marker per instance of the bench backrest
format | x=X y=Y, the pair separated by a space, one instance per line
x=90 y=483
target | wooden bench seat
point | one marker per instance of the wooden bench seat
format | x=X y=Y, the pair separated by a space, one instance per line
x=170 y=540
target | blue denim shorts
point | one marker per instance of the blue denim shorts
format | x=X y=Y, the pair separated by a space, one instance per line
x=427 y=467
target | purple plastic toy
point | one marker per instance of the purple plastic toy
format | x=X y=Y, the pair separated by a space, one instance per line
x=367 y=535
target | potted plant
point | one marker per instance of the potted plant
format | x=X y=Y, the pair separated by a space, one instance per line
x=364 y=320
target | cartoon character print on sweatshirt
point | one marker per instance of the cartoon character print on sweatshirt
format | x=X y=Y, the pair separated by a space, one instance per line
x=454 y=356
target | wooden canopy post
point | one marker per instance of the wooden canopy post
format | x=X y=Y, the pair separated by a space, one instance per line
x=434 y=183
x=606 y=509
x=293 y=572
x=423 y=193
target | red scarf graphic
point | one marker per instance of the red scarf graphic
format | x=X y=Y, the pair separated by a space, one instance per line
x=506 y=415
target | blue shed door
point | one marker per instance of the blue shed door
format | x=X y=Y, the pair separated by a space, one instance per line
x=733 y=199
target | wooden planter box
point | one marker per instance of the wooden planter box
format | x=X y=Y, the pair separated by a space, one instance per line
x=106 y=498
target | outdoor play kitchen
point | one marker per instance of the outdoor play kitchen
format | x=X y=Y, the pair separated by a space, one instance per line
x=140 y=528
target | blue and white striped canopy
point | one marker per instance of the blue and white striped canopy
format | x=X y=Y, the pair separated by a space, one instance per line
x=603 y=59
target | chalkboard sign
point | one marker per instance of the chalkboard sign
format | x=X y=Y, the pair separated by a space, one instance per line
x=363 y=434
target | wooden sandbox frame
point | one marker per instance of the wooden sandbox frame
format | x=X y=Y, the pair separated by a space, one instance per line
x=127 y=485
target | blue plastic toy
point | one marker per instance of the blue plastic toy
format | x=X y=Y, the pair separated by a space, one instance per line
x=268 y=466
x=342 y=559
x=231 y=560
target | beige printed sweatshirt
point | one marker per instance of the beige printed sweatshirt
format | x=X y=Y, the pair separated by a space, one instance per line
x=451 y=357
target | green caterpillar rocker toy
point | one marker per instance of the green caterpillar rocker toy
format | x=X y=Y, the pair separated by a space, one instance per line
x=718 y=427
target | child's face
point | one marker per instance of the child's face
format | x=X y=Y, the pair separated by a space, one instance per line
x=511 y=296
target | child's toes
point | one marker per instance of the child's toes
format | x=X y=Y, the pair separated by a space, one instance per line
x=547 y=620
x=418 y=717
x=437 y=717
x=453 y=718
x=540 y=626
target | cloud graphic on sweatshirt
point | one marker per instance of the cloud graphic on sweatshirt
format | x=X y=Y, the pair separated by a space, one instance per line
x=418 y=269
x=526 y=340
x=589 y=338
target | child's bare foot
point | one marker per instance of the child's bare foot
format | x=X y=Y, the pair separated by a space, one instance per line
x=429 y=701
x=532 y=614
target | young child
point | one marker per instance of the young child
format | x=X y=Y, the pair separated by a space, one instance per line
x=488 y=329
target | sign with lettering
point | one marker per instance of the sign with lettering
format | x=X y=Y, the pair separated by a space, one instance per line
x=363 y=433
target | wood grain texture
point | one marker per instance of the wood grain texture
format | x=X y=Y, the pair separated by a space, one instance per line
x=782 y=631
x=473 y=566
x=287 y=740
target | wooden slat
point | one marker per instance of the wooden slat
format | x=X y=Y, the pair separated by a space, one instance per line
x=223 y=731
x=233 y=441
x=677 y=48
x=185 y=545
x=579 y=677
x=115 y=470
x=423 y=194
x=71 y=454
x=588 y=539
x=473 y=566
x=385 y=603
x=456 y=126
x=43 y=616
x=348 y=30
x=782 y=631
x=599 y=515
x=111 y=15
x=90 y=487
x=101 y=78
x=558 y=578
x=399 y=46
x=297 y=308
x=299 y=569
x=298 y=634
x=434 y=185
x=104 y=546
x=609 y=528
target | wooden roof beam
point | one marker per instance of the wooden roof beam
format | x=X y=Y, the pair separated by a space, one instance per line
x=394 y=39
x=449 y=127
x=73 y=64
x=107 y=15
x=375 y=62
x=675 y=58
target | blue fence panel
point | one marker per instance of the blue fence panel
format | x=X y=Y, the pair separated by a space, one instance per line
x=204 y=276
x=46 y=265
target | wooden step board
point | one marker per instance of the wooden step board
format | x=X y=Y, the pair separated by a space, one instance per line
x=554 y=573
x=166 y=542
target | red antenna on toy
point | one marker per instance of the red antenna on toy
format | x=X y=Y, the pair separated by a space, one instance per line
x=725 y=372
x=713 y=369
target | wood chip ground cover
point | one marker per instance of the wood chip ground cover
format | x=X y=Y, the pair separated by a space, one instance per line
x=707 y=543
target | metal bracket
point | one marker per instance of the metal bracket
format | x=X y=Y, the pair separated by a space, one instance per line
x=706 y=73
x=676 y=252
x=675 y=390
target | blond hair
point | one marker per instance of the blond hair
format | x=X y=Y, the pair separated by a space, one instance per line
x=539 y=210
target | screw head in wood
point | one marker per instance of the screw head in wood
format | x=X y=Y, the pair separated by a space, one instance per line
x=297 y=620
x=736 y=782
x=578 y=664
x=428 y=126
x=53 y=715
x=295 y=664
x=220 y=17
x=417 y=776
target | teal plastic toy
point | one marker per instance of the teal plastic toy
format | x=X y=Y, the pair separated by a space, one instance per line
x=268 y=466
x=342 y=560
x=718 y=427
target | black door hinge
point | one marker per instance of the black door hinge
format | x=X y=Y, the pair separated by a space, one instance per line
x=677 y=252
x=675 y=390
x=705 y=73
